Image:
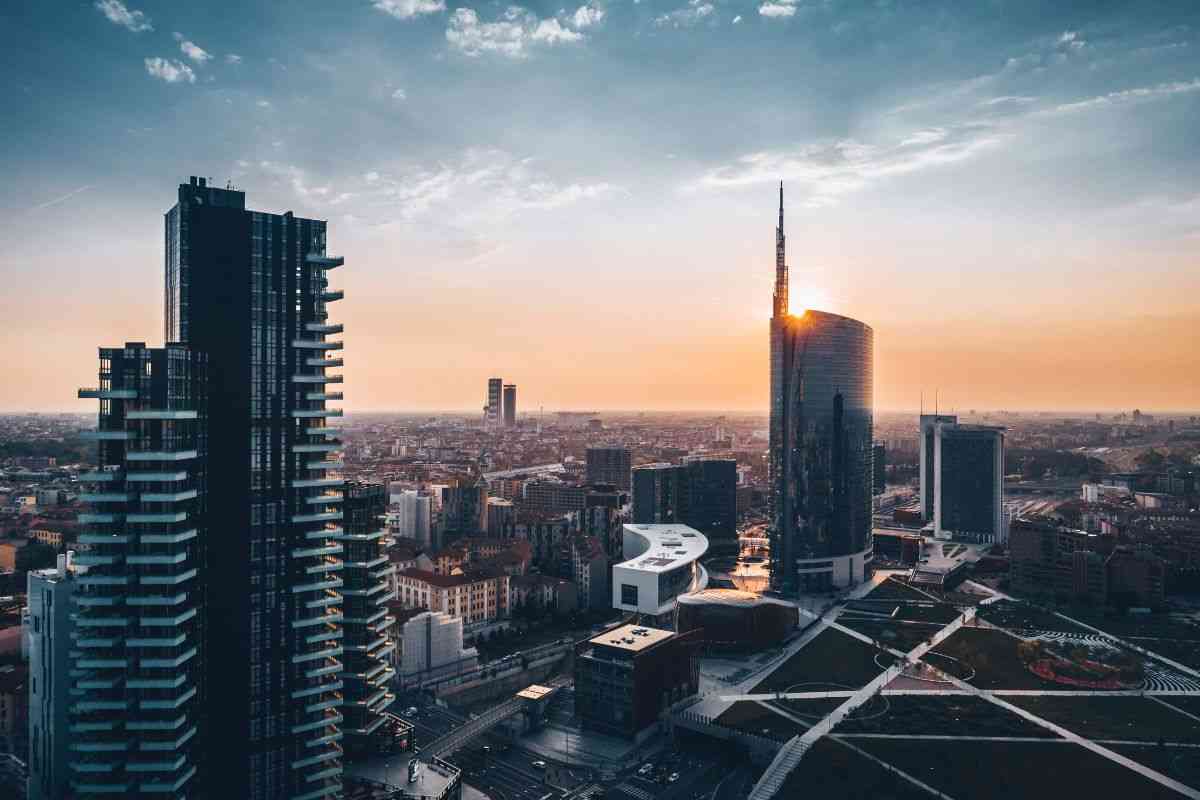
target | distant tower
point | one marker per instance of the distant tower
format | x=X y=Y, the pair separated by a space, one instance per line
x=822 y=401
x=495 y=387
x=510 y=405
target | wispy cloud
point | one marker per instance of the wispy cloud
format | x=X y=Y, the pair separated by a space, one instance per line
x=60 y=199
x=399 y=94
x=828 y=170
x=170 y=70
x=777 y=10
x=263 y=103
x=407 y=9
x=587 y=15
x=1126 y=96
x=695 y=11
x=322 y=194
x=512 y=34
x=119 y=14
x=191 y=49
x=233 y=58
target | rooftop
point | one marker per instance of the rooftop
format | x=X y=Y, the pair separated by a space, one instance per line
x=633 y=638
x=667 y=546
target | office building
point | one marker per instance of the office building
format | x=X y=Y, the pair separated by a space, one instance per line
x=464 y=510
x=492 y=410
x=662 y=562
x=878 y=467
x=962 y=479
x=138 y=695
x=478 y=597
x=700 y=493
x=432 y=647
x=609 y=465
x=412 y=517
x=822 y=397
x=510 y=405
x=49 y=630
x=366 y=671
x=626 y=678
x=250 y=292
x=732 y=619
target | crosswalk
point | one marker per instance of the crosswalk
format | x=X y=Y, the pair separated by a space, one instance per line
x=629 y=790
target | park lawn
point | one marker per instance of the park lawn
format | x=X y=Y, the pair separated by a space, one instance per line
x=1017 y=616
x=934 y=612
x=1180 y=763
x=898 y=636
x=1118 y=717
x=1189 y=703
x=993 y=656
x=1048 y=770
x=751 y=717
x=953 y=715
x=832 y=657
x=892 y=589
x=832 y=770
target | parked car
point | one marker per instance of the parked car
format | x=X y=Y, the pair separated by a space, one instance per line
x=538 y=765
x=646 y=769
x=674 y=776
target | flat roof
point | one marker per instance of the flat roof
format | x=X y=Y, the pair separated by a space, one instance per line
x=535 y=692
x=633 y=638
x=669 y=546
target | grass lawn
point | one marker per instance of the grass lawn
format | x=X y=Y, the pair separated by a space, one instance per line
x=1017 y=616
x=943 y=716
x=1188 y=703
x=993 y=655
x=940 y=612
x=752 y=717
x=897 y=636
x=1184 y=652
x=1113 y=717
x=1135 y=625
x=1005 y=770
x=832 y=770
x=832 y=657
x=1180 y=763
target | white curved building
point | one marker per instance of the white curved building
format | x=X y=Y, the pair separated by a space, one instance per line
x=662 y=562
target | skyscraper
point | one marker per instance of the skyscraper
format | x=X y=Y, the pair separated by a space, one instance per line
x=50 y=598
x=820 y=443
x=962 y=479
x=701 y=493
x=249 y=290
x=492 y=411
x=510 y=405
x=138 y=691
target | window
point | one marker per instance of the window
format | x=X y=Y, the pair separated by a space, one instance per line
x=629 y=594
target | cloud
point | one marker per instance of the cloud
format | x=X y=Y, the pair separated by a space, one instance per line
x=170 y=70
x=60 y=199
x=192 y=50
x=587 y=16
x=119 y=14
x=297 y=178
x=1071 y=40
x=1010 y=99
x=263 y=104
x=828 y=170
x=778 y=10
x=511 y=34
x=483 y=185
x=1127 y=95
x=695 y=11
x=737 y=19
x=399 y=94
x=233 y=58
x=407 y=9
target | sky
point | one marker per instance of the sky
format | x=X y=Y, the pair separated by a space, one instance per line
x=581 y=199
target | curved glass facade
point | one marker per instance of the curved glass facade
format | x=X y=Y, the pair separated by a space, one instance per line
x=822 y=396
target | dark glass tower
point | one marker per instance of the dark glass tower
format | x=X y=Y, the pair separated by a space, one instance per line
x=510 y=405
x=137 y=625
x=701 y=494
x=249 y=291
x=820 y=444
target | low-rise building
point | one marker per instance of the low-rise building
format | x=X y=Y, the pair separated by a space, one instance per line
x=475 y=597
x=663 y=562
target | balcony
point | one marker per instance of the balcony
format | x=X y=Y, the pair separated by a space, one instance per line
x=91 y=392
x=324 y=362
x=327 y=516
x=315 y=483
x=107 y=497
x=165 y=414
x=324 y=500
x=321 y=327
x=311 y=344
x=316 y=413
x=324 y=262
x=323 y=396
x=156 y=477
x=330 y=297
x=325 y=465
x=316 y=378
x=108 y=436
x=328 y=430
x=160 y=455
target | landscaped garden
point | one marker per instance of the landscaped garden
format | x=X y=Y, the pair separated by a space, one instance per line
x=1180 y=763
x=751 y=717
x=1116 y=717
x=1017 y=616
x=896 y=635
x=892 y=589
x=993 y=655
x=832 y=656
x=954 y=715
x=832 y=770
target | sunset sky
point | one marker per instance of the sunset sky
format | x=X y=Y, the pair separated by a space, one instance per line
x=581 y=198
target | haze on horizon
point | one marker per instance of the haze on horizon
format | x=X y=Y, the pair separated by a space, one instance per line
x=581 y=199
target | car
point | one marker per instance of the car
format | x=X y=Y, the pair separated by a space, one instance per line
x=674 y=776
x=646 y=769
x=411 y=711
x=538 y=765
x=487 y=748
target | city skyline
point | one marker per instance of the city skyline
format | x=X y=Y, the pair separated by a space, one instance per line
x=925 y=150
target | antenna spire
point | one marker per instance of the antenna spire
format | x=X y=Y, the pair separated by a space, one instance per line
x=781 y=270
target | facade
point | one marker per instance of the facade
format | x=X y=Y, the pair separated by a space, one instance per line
x=492 y=411
x=477 y=597
x=659 y=494
x=662 y=562
x=701 y=493
x=736 y=620
x=464 y=510
x=928 y=477
x=137 y=608
x=510 y=405
x=878 y=467
x=589 y=571
x=822 y=412
x=609 y=465
x=552 y=495
x=1042 y=557
x=501 y=514
x=49 y=629
x=627 y=678
x=250 y=292
x=366 y=670
x=968 y=480
x=412 y=517
x=432 y=647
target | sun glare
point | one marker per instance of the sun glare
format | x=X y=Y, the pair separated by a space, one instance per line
x=803 y=298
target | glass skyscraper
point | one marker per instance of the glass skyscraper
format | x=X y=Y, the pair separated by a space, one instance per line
x=821 y=427
x=250 y=291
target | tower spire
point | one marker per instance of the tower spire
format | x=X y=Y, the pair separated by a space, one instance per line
x=781 y=270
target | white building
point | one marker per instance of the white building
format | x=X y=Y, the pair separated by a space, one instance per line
x=412 y=517
x=662 y=562
x=49 y=631
x=432 y=647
